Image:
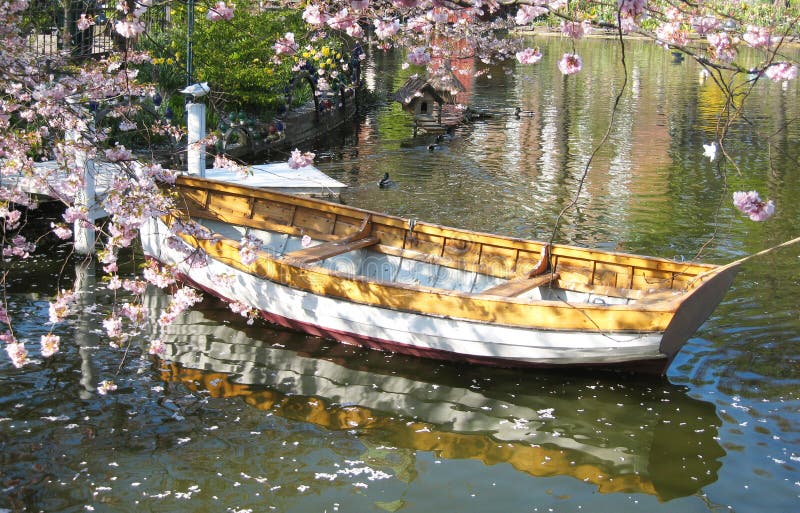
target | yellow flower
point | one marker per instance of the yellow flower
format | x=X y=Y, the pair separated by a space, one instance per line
x=170 y=61
x=326 y=51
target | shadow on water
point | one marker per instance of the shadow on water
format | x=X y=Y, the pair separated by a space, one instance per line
x=649 y=438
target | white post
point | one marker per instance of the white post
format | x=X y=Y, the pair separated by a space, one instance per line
x=85 y=335
x=84 y=234
x=196 y=126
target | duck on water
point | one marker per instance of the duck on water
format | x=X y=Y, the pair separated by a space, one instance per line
x=385 y=182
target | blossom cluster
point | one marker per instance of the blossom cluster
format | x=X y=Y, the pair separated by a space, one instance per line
x=220 y=12
x=249 y=248
x=750 y=204
x=299 y=159
x=184 y=298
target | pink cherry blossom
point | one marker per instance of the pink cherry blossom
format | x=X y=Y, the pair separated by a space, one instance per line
x=50 y=345
x=758 y=37
x=355 y=31
x=721 y=46
x=60 y=308
x=243 y=310
x=440 y=16
x=705 y=24
x=118 y=154
x=134 y=286
x=299 y=159
x=220 y=12
x=10 y=217
x=135 y=313
x=157 y=347
x=386 y=28
x=631 y=8
x=359 y=5
x=286 y=45
x=157 y=276
x=419 y=57
x=313 y=15
x=113 y=327
x=574 y=29
x=85 y=21
x=570 y=64
x=527 y=13
x=750 y=203
x=114 y=283
x=72 y=214
x=672 y=33
x=248 y=249
x=16 y=351
x=341 y=20
x=781 y=71
x=184 y=298
x=129 y=28
x=529 y=56
x=19 y=247
x=305 y=241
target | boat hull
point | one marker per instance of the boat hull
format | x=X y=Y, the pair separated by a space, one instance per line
x=431 y=336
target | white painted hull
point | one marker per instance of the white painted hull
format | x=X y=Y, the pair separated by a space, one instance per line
x=407 y=332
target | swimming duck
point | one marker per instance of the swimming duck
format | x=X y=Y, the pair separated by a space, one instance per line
x=518 y=112
x=385 y=182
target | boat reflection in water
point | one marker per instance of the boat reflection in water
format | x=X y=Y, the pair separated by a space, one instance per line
x=635 y=437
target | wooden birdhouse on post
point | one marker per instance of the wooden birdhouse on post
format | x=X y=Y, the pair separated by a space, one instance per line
x=424 y=97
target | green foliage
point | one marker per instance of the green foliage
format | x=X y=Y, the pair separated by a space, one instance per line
x=234 y=57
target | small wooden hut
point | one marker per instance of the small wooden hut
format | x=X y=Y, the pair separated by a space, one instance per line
x=424 y=97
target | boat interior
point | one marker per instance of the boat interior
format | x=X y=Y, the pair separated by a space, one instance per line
x=355 y=243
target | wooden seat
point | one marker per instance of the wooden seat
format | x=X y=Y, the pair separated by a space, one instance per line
x=357 y=240
x=327 y=250
x=517 y=286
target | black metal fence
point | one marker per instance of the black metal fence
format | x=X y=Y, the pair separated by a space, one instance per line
x=53 y=26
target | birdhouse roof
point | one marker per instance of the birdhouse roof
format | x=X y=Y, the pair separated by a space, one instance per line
x=415 y=87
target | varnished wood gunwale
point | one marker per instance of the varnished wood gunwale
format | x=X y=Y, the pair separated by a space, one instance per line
x=570 y=262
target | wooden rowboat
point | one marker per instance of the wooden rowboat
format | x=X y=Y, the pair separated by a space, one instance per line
x=394 y=284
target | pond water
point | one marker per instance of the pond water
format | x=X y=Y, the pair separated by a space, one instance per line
x=252 y=418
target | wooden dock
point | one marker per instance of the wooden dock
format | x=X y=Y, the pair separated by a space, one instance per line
x=274 y=176
x=281 y=177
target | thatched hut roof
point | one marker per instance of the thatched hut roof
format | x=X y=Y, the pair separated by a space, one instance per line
x=445 y=80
